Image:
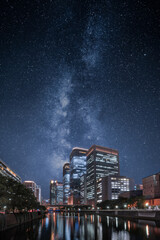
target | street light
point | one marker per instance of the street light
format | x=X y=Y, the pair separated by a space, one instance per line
x=147 y=204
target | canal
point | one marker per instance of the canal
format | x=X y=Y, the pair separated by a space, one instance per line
x=86 y=227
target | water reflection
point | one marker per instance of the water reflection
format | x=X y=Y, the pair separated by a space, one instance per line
x=84 y=227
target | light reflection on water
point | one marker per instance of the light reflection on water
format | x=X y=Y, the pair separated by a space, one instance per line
x=84 y=227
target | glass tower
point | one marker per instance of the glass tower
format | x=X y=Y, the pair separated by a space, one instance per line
x=59 y=193
x=101 y=162
x=56 y=192
x=77 y=169
x=52 y=192
x=66 y=182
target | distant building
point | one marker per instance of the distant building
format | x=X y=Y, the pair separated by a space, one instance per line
x=66 y=182
x=34 y=188
x=151 y=186
x=52 y=192
x=83 y=189
x=38 y=194
x=45 y=202
x=59 y=193
x=110 y=187
x=7 y=172
x=77 y=169
x=56 y=192
x=101 y=162
x=138 y=187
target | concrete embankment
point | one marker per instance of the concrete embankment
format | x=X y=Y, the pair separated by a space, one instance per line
x=132 y=214
x=8 y=221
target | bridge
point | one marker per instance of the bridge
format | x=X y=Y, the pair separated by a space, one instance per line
x=64 y=207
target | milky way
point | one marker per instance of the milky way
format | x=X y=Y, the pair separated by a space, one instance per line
x=77 y=73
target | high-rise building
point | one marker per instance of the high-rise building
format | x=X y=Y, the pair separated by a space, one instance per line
x=34 y=188
x=83 y=189
x=56 y=192
x=66 y=182
x=101 y=162
x=151 y=186
x=38 y=194
x=59 y=193
x=7 y=172
x=77 y=169
x=110 y=187
x=53 y=192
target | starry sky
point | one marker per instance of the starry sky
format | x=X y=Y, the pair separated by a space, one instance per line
x=77 y=73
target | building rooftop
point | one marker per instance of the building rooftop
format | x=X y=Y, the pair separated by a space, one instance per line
x=4 y=168
x=102 y=149
x=152 y=175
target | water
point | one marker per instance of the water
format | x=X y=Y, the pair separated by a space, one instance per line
x=85 y=227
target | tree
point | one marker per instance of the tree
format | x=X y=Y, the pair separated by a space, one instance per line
x=15 y=195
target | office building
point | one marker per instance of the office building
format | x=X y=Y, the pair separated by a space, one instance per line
x=83 y=189
x=110 y=187
x=56 y=192
x=38 y=194
x=59 y=193
x=34 y=188
x=66 y=182
x=7 y=172
x=53 y=192
x=151 y=186
x=101 y=162
x=77 y=169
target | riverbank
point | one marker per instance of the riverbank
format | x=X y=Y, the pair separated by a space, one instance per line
x=8 y=221
x=153 y=215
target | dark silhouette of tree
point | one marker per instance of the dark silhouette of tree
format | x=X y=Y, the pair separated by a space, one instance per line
x=15 y=195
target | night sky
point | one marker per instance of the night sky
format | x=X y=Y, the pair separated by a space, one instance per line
x=77 y=73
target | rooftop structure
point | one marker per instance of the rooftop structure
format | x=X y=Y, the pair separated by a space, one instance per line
x=6 y=171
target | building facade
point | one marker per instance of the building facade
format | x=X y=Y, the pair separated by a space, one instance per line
x=59 y=193
x=101 y=162
x=110 y=187
x=35 y=189
x=56 y=192
x=7 y=172
x=38 y=194
x=52 y=192
x=151 y=186
x=77 y=169
x=66 y=182
x=83 y=189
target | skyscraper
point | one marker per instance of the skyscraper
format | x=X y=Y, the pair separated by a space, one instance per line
x=77 y=169
x=52 y=192
x=56 y=192
x=101 y=162
x=38 y=194
x=59 y=193
x=66 y=182
x=83 y=189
